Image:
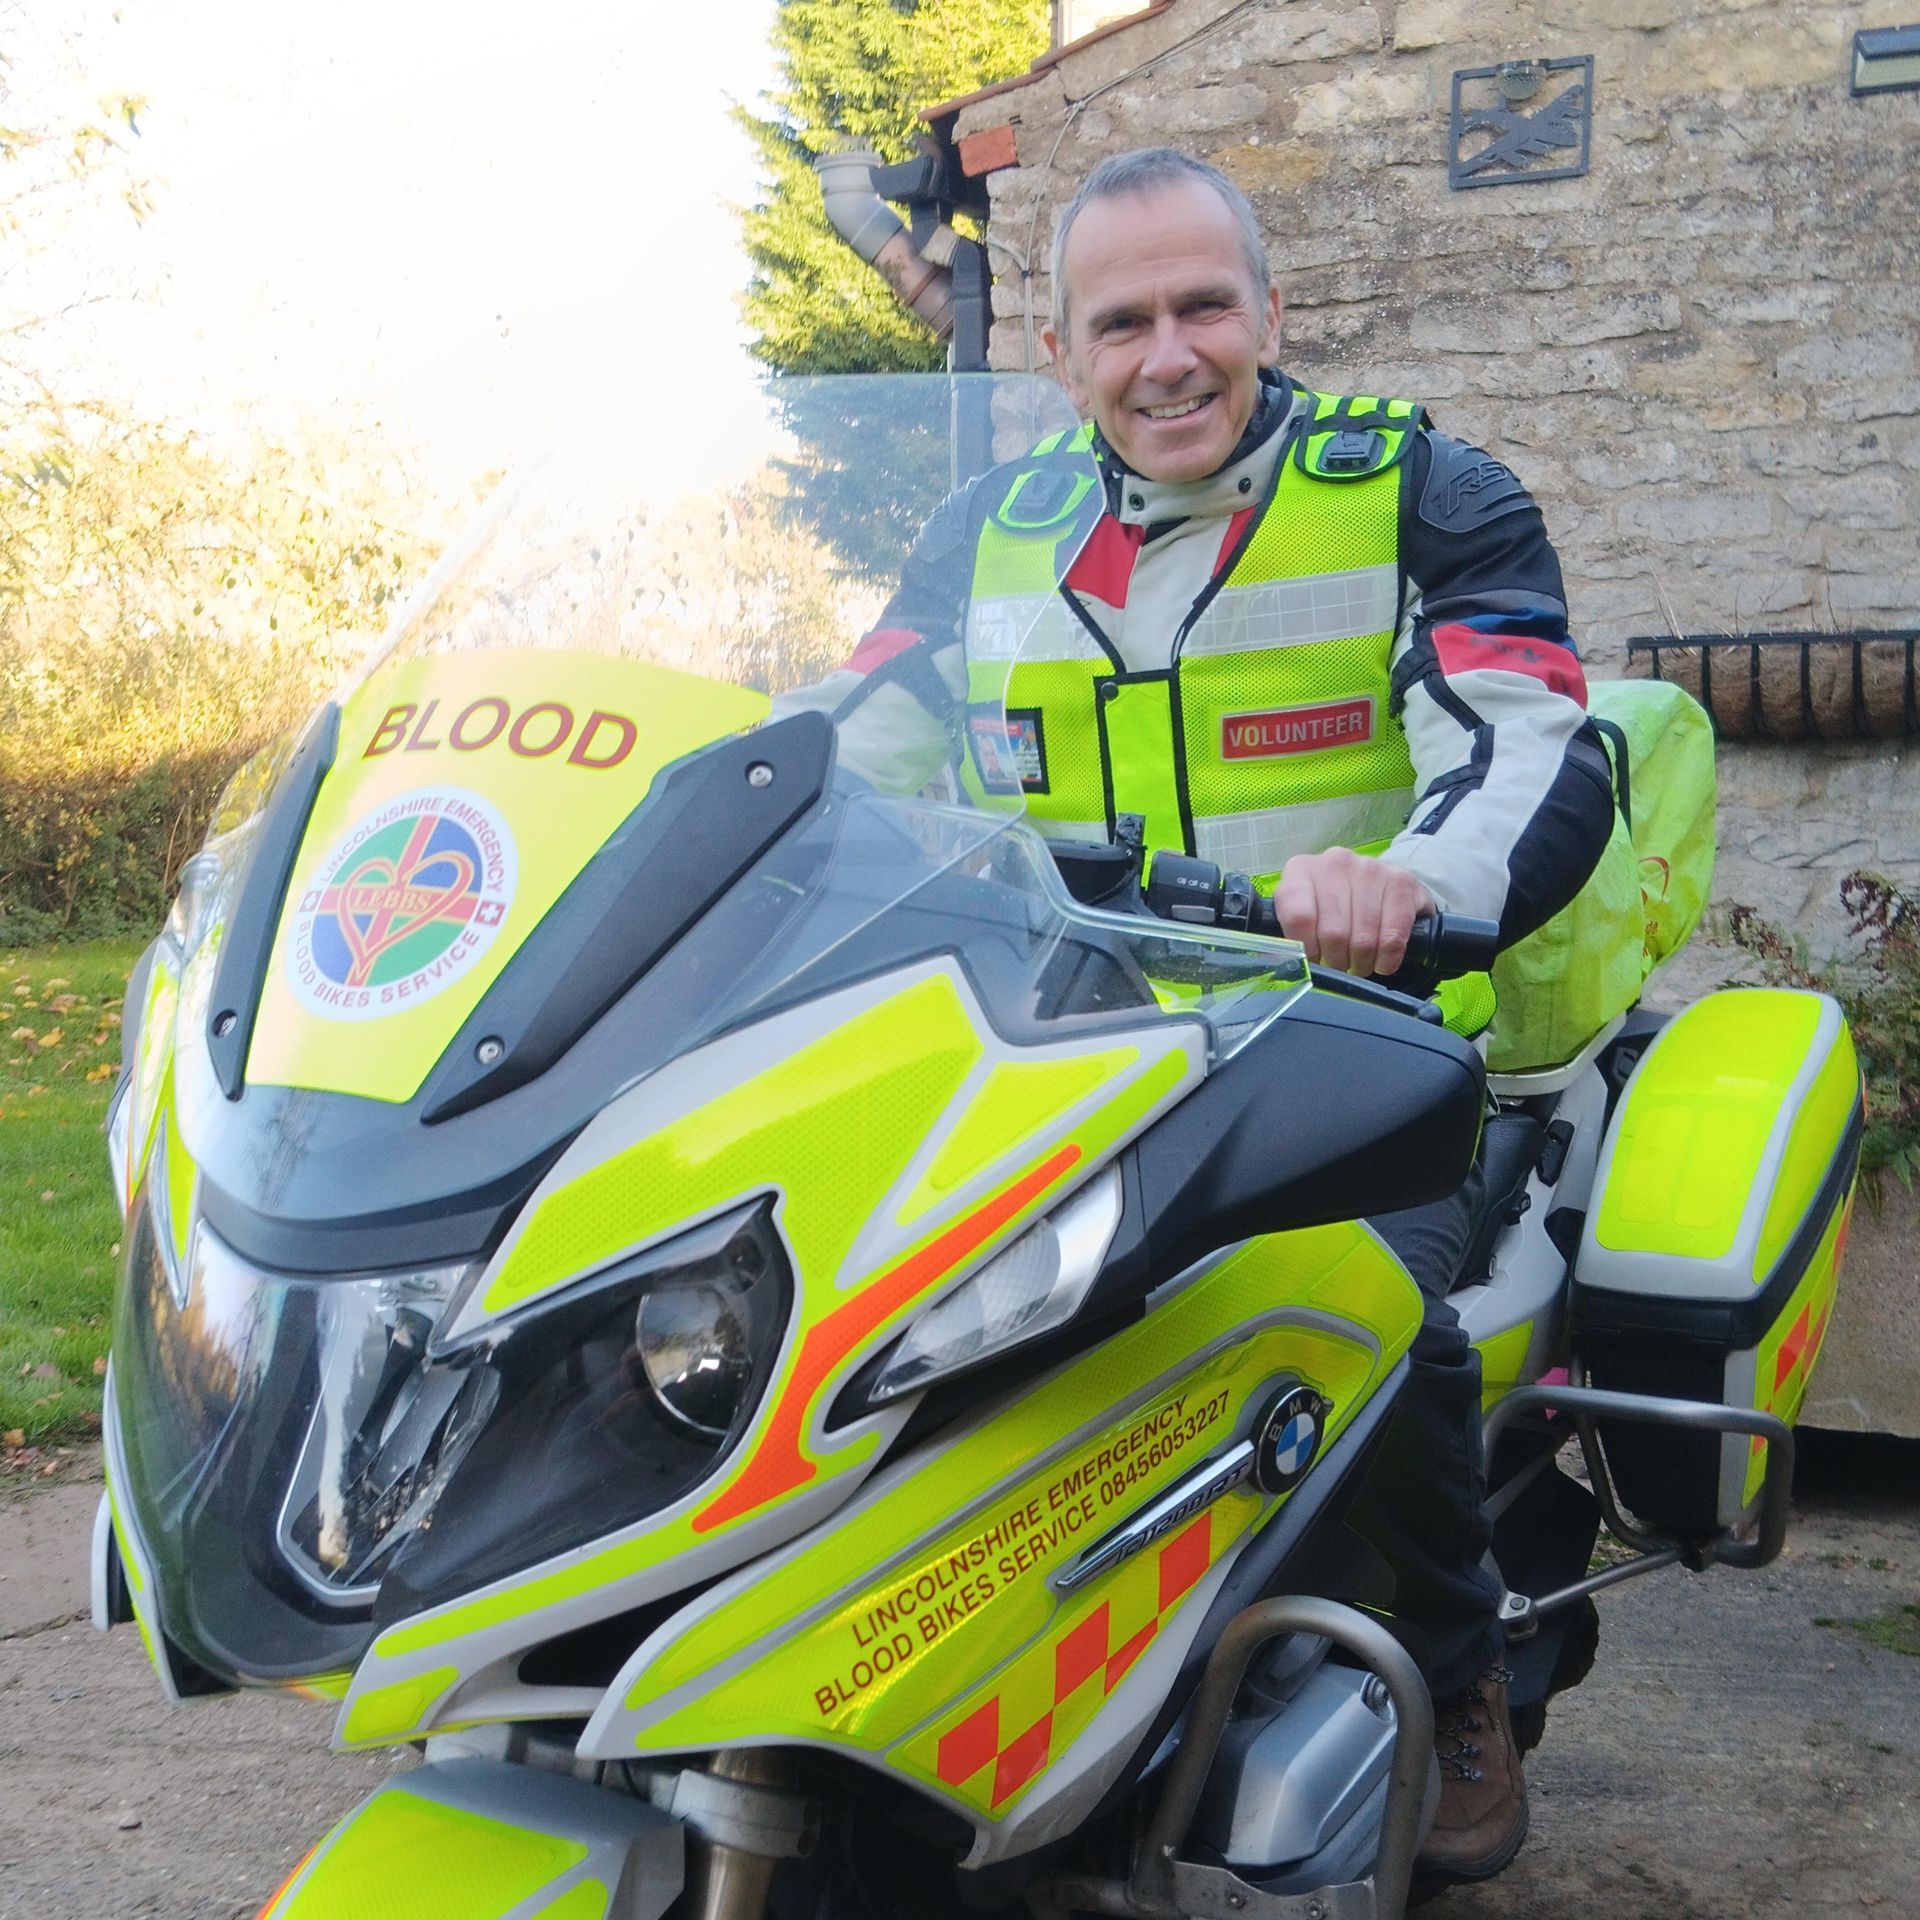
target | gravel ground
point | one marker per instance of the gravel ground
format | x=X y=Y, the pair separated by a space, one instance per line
x=1729 y=1759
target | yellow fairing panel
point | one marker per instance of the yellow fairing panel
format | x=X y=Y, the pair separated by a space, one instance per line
x=916 y=1635
x=467 y=793
x=402 y=1858
x=481 y=1840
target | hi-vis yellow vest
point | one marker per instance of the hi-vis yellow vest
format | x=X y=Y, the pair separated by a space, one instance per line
x=1268 y=734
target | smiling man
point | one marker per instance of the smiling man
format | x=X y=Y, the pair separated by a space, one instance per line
x=1311 y=639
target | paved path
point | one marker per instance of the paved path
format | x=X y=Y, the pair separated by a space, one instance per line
x=1729 y=1759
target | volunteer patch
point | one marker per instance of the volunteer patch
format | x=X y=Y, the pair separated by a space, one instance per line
x=1283 y=730
x=1010 y=749
x=401 y=906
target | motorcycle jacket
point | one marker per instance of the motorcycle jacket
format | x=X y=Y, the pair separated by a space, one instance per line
x=1353 y=634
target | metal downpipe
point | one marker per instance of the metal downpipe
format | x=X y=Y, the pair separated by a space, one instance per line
x=878 y=235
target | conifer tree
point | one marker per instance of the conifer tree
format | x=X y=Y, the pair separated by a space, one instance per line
x=859 y=70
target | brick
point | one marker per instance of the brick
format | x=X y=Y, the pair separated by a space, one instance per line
x=989 y=151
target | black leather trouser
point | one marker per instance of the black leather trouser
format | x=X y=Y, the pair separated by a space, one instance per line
x=1423 y=1505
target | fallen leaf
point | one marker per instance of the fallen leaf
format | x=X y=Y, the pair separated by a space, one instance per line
x=23 y=1033
x=34 y=1092
x=14 y=1437
x=51 y=1038
x=46 y=1370
x=47 y=1194
x=91 y=1421
x=99 y=1364
x=58 y=982
x=65 y=1002
x=59 y=1333
x=104 y=1071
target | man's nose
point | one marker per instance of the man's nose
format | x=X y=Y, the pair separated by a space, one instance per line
x=1170 y=356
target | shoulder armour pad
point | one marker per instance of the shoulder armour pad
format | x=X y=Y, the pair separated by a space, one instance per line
x=1349 y=439
x=1466 y=488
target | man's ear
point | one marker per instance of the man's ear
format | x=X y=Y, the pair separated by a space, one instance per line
x=1270 y=333
x=1063 y=369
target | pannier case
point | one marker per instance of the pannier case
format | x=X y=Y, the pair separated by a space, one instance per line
x=1709 y=1257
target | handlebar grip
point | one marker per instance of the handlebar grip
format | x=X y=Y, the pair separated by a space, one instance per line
x=1444 y=945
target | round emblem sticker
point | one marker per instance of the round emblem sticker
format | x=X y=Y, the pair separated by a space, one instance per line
x=402 y=906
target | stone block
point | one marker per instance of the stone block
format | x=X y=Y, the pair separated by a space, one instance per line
x=1685 y=372
x=1748 y=306
x=1644 y=459
x=1611 y=16
x=1361 y=98
x=1190 y=110
x=1852 y=357
x=1808 y=842
x=1287 y=36
x=1525 y=376
x=1279 y=166
x=1897 y=594
x=1867 y=1379
x=1669 y=516
x=1486 y=325
x=1407 y=379
x=1833 y=450
x=1779 y=52
x=1876 y=499
x=1470 y=25
x=1580 y=323
x=1583 y=420
x=1876 y=400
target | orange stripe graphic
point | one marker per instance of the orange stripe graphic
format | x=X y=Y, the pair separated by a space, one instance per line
x=777 y=1464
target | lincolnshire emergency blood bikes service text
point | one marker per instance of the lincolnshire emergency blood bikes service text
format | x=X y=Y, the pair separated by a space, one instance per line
x=1070 y=1512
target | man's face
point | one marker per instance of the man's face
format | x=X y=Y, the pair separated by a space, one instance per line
x=1167 y=335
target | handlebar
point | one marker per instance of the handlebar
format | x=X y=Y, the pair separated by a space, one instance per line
x=1197 y=893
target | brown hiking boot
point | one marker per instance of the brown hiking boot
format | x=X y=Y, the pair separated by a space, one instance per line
x=1482 y=1817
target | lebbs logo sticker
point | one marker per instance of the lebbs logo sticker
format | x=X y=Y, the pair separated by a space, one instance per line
x=402 y=906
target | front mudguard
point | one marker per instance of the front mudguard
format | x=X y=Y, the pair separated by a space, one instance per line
x=482 y=1840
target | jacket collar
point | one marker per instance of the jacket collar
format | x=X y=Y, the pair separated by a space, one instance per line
x=1242 y=481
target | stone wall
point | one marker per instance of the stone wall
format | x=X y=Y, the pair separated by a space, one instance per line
x=1702 y=357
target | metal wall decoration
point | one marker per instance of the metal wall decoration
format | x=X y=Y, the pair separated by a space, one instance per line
x=1524 y=146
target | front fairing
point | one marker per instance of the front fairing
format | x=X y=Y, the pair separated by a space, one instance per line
x=331 y=1334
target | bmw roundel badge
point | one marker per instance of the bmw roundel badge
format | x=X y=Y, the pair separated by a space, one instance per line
x=1289 y=1438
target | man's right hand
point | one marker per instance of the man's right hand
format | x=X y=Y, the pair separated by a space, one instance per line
x=1350 y=910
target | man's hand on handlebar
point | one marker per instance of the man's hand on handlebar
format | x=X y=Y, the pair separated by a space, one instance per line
x=1350 y=910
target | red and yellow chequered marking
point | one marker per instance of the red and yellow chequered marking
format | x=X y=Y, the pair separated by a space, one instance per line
x=1000 y=1746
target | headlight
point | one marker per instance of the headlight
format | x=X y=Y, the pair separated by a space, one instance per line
x=697 y=1334
x=616 y=1398
x=304 y=1464
x=1028 y=1288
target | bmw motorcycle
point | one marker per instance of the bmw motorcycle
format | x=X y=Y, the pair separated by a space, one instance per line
x=810 y=1352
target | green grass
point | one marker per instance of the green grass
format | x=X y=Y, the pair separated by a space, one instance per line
x=59 y=1227
x=1895 y=1632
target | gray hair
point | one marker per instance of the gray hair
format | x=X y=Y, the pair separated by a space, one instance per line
x=1143 y=171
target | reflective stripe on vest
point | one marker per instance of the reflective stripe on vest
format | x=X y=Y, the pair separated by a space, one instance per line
x=1270 y=734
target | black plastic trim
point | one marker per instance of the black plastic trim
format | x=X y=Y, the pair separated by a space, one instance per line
x=242 y=968
x=1336 y=1112
x=701 y=826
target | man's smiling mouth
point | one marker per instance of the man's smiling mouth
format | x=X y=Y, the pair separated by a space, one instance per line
x=1177 y=409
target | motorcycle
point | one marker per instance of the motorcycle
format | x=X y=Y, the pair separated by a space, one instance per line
x=808 y=1344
